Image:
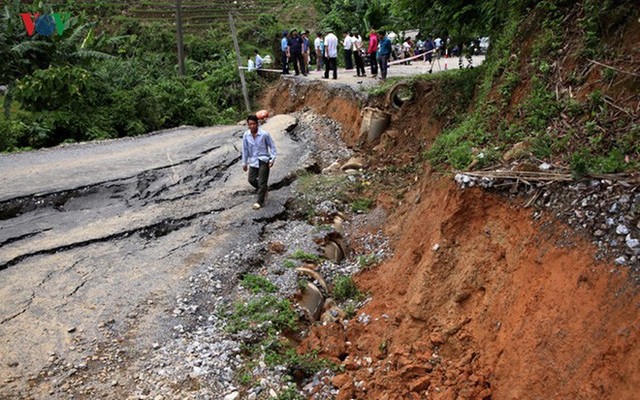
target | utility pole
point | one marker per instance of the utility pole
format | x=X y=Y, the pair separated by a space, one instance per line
x=179 y=37
x=242 y=81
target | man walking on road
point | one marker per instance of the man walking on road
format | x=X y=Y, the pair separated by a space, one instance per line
x=258 y=155
x=331 y=52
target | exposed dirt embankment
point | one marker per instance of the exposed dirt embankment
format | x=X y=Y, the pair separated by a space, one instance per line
x=338 y=102
x=480 y=301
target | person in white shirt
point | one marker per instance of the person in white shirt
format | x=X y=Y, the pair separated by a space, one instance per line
x=250 y=64
x=348 y=50
x=357 y=53
x=407 y=49
x=318 y=45
x=331 y=53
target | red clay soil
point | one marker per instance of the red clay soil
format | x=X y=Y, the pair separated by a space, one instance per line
x=505 y=308
x=479 y=301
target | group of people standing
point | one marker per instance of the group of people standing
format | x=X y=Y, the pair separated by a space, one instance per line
x=295 y=48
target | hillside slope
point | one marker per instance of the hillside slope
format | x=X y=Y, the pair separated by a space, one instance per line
x=485 y=298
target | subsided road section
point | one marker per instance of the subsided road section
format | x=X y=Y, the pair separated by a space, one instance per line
x=97 y=240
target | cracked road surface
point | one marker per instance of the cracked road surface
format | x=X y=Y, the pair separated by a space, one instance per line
x=107 y=234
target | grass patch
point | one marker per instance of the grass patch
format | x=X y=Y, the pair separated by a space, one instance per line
x=245 y=379
x=344 y=288
x=367 y=260
x=290 y=393
x=383 y=87
x=317 y=186
x=265 y=314
x=257 y=284
x=302 y=255
x=361 y=205
x=289 y=264
x=282 y=352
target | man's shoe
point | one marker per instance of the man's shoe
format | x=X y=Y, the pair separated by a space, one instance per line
x=256 y=206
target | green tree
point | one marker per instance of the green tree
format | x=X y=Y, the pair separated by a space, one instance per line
x=463 y=20
x=24 y=54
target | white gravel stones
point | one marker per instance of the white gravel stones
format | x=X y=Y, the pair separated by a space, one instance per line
x=364 y=319
x=632 y=243
x=622 y=230
x=620 y=261
x=232 y=396
x=466 y=181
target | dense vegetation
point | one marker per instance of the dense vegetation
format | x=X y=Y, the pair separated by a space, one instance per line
x=106 y=76
x=542 y=87
x=113 y=78
x=109 y=76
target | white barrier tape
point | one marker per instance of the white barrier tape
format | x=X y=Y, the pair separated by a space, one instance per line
x=261 y=69
x=402 y=60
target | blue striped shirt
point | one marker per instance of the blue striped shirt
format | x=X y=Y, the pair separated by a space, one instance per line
x=261 y=148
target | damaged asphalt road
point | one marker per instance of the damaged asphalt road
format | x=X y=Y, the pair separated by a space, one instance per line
x=107 y=234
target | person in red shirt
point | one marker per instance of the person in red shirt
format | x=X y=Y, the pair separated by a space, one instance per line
x=372 y=52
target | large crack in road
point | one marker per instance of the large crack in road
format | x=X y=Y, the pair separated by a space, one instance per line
x=97 y=240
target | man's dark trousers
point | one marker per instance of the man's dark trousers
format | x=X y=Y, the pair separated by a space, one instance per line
x=298 y=63
x=348 y=59
x=259 y=178
x=285 y=63
x=373 y=61
x=331 y=64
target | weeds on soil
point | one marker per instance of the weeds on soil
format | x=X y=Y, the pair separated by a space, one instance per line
x=344 y=288
x=258 y=284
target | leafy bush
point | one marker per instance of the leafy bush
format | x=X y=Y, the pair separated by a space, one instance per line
x=344 y=288
x=8 y=136
x=58 y=88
